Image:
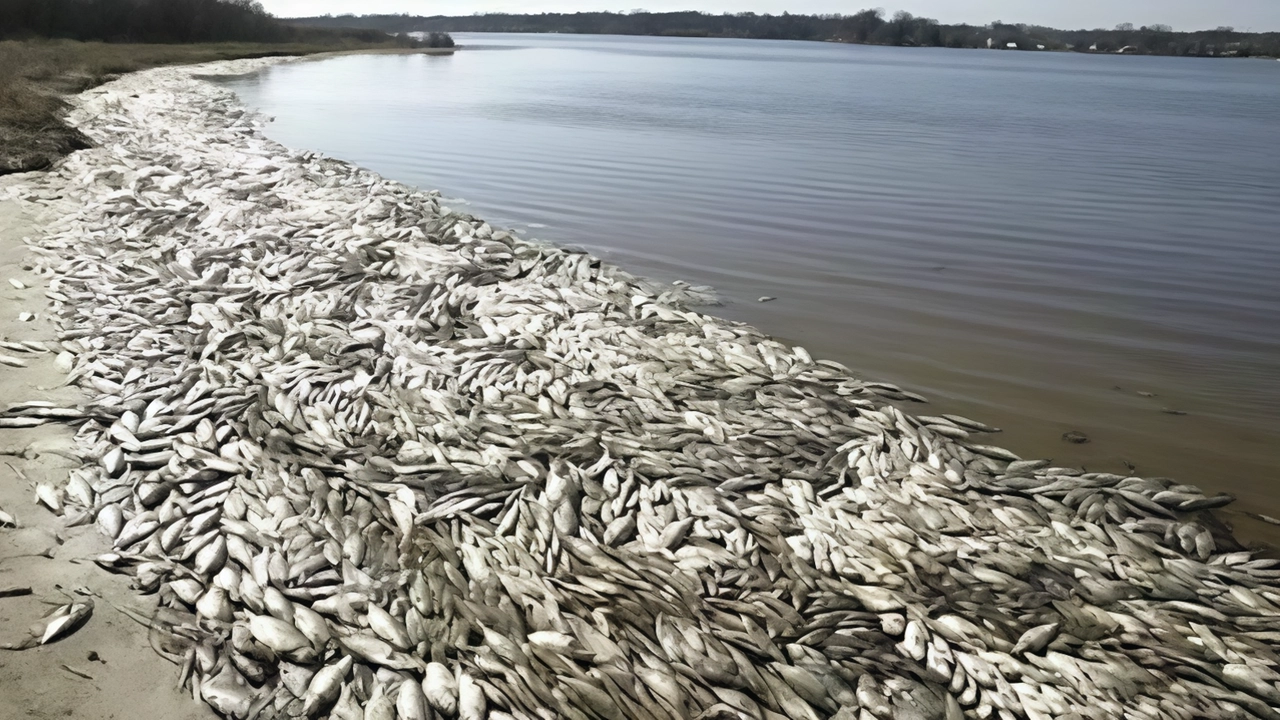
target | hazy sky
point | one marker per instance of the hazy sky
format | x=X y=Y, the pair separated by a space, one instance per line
x=1257 y=15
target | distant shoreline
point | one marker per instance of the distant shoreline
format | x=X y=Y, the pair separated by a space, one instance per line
x=1060 y=51
x=868 y=27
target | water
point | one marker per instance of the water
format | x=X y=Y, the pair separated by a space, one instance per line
x=1046 y=242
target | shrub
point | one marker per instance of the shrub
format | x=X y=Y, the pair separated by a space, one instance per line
x=439 y=40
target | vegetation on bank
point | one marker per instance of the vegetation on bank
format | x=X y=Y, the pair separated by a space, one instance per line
x=871 y=27
x=43 y=55
x=437 y=40
x=163 y=21
x=35 y=74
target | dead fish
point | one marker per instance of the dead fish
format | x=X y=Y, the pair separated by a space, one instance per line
x=228 y=693
x=388 y=628
x=62 y=622
x=49 y=497
x=111 y=520
x=216 y=605
x=295 y=678
x=188 y=590
x=392 y=455
x=378 y=652
x=472 y=704
x=440 y=688
x=380 y=706
x=411 y=704
x=325 y=687
x=113 y=462
x=1036 y=639
x=279 y=606
x=312 y=625
x=280 y=636
x=211 y=557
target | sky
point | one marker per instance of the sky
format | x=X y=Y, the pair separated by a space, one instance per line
x=1255 y=15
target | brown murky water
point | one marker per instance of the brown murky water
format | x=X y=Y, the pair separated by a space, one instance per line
x=1044 y=242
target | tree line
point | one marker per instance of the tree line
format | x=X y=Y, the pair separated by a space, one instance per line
x=871 y=27
x=141 y=20
x=163 y=21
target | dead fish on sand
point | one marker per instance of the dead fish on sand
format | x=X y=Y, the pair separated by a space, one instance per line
x=378 y=459
x=63 y=621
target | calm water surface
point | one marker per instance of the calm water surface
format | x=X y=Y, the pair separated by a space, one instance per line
x=1046 y=242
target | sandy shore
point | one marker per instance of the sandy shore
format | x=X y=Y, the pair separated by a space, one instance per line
x=126 y=679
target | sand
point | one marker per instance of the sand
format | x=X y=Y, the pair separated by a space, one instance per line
x=129 y=680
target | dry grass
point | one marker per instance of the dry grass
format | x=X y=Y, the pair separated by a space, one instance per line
x=35 y=74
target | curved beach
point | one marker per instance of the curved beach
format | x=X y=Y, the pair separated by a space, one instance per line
x=375 y=458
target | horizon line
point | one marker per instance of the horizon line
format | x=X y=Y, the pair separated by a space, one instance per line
x=1136 y=27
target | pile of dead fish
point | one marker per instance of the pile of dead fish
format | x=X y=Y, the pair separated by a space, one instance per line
x=379 y=460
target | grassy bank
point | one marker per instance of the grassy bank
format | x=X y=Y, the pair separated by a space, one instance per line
x=36 y=74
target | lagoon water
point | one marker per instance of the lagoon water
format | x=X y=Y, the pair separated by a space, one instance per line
x=1045 y=242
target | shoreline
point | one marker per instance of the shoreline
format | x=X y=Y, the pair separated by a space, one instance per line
x=46 y=555
x=40 y=73
x=521 y=425
x=1030 y=367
